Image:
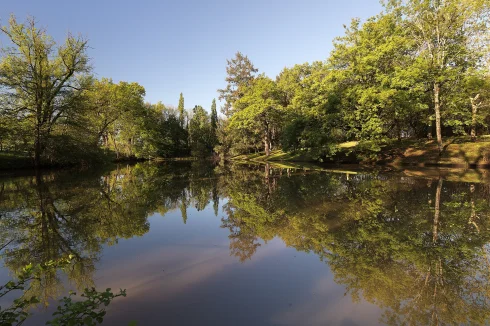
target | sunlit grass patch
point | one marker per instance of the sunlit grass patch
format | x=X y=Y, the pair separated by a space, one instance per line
x=348 y=144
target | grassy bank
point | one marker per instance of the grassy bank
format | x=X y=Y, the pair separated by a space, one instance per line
x=458 y=152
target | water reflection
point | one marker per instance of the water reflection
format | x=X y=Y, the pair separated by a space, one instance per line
x=415 y=247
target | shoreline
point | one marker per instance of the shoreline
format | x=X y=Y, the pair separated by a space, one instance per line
x=458 y=153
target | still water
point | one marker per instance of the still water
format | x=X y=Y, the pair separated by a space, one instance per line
x=195 y=244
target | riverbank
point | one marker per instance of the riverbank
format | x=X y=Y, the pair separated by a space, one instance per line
x=474 y=175
x=458 y=152
x=20 y=161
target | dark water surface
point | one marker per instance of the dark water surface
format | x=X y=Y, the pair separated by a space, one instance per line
x=196 y=244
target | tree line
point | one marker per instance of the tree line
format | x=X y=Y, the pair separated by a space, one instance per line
x=54 y=110
x=418 y=69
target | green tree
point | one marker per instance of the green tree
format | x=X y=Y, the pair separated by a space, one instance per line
x=240 y=73
x=477 y=89
x=258 y=111
x=168 y=135
x=200 y=133
x=107 y=105
x=371 y=66
x=446 y=33
x=310 y=102
x=41 y=81
x=214 y=123
x=181 y=110
x=214 y=116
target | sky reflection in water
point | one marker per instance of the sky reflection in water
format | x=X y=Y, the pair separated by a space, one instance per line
x=195 y=244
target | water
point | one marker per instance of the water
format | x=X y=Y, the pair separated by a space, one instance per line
x=195 y=244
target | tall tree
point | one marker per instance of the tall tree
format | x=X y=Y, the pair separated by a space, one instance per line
x=214 y=124
x=214 y=116
x=39 y=80
x=240 y=73
x=181 y=110
x=371 y=70
x=200 y=141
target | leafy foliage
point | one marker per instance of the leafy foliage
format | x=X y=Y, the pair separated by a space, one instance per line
x=201 y=133
x=86 y=312
x=39 y=80
x=240 y=72
x=417 y=69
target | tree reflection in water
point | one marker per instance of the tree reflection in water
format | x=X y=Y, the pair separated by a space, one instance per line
x=416 y=247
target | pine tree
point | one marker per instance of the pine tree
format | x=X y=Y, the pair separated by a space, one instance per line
x=240 y=73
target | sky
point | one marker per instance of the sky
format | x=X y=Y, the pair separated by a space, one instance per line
x=171 y=47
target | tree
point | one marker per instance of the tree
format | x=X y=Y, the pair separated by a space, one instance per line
x=477 y=89
x=214 y=116
x=108 y=104
x=445 y=32
x=181 y=110
x=41 y=81
x=258 y=111
x=173 y=138
x=311 y=108
x=214 y=123
x=372 y=73
x=240 y=73
x=200 y=133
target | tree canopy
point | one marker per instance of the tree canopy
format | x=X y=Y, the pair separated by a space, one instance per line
x=418 y=69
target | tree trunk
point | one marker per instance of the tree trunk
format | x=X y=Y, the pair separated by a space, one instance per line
x=267 y=142
x=398 y=130
x=474 y=111
x=437 y=109
x=115 y=146
x=37 y=148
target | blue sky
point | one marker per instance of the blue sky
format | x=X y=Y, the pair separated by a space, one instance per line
x=182 y=46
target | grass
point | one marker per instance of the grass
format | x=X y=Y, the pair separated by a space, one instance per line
x=458 y=152
x=277 y=155
x=349 y=144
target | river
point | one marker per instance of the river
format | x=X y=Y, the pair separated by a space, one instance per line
x=197 y=244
